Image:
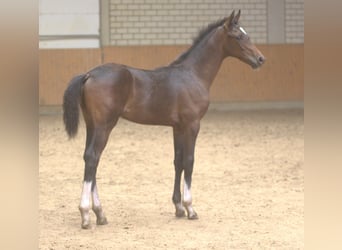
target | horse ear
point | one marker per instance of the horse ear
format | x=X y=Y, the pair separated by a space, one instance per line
x=237 y=17
x=229 y=20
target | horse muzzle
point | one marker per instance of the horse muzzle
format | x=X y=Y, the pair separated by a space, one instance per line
x=257 y=61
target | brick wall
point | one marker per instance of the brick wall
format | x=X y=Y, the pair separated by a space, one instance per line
x=294 y=21
x=161 y=22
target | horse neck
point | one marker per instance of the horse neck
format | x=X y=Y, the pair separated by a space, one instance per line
x=205 y=60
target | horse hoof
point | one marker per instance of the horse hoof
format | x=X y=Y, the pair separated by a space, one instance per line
x=102 y=221
x=193 y=216
x=86 y=225
x=180 y=213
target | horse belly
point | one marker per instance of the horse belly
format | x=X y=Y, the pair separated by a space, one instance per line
x=150 y=114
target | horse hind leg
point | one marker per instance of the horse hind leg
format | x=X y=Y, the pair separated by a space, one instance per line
x=97 y=208
x=84 y=206
x=96 y=141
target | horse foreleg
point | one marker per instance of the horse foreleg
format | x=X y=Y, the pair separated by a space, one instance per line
x=188 y=161
x=178 y=161
x=187 y=199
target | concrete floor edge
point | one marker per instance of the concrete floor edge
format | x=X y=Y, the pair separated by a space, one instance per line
x=214 y=106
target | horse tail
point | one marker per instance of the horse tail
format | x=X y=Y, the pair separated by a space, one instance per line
x=71 y=103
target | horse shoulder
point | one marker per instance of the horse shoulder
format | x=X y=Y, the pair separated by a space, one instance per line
x=193 y=101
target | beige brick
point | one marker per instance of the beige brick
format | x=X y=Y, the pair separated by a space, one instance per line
x=138 y=12
x=121 y=42
x=181 y=41
x=151 y=24
x=121 y=30
x=132 y=30
x=152 y=1
x=132 y=18
x=127 y=36
x=139 y=24
x=162 y=24
x=138 y=36
x=151 y=36
x=156 y=18
x=120 y=7
x=162 y=35
x=169 y=41
x=169 y=30
x=168 y=18
x=115 y=24
x=145 y=30
x=294 y=21
x=145 y=18
x=145 y=42
x=145 y=6
x=116 y=36
x=133 y=6
x=156 y=6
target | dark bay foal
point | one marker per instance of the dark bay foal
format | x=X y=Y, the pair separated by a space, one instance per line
x=176 y=95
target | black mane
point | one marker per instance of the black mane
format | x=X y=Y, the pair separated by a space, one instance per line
x=201 y=35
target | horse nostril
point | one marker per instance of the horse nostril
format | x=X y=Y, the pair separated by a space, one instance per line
x=261 y=59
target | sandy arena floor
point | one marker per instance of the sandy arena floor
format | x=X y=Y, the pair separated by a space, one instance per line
x=248 y=185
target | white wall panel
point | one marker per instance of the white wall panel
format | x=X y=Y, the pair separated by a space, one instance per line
x=68 y=6
x=61 y=18
x=62 y=24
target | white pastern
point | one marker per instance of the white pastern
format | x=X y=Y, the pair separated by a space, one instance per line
x=96 y=199
x=85 y=197
x=187 y=194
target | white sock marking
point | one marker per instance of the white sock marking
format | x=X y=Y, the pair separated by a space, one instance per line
x=96 y=199
x=85 y=197
x=187 y=193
